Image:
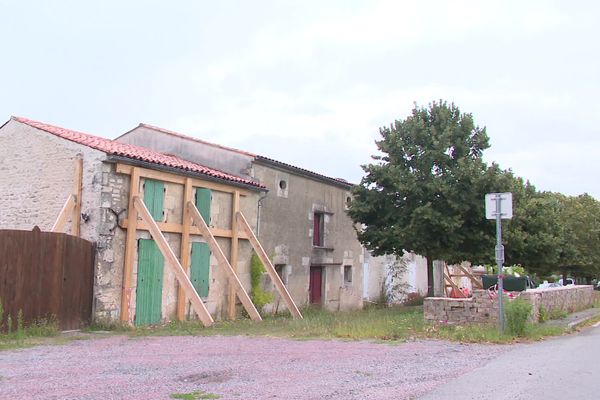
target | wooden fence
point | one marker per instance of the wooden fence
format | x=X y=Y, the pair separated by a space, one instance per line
x=45 y=275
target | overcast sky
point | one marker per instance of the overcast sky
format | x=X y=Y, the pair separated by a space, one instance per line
x=311 y=82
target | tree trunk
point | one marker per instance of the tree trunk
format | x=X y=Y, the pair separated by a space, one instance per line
x=430 y=282
x=564 y=277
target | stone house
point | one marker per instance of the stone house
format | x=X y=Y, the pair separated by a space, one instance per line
x=301 y=220
x=131 y=281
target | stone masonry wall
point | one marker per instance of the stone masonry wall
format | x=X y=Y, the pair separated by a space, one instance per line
x=482 y=309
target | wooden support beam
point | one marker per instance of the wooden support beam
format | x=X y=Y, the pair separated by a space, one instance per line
x=77 y=183
x=474 y=280
x=59 y=224
x=174 y=227
x=130 y=246
x=453 y=286
x=233 y=256
x=285 y=295
x=173 y=262
x=185 y=247
x=216 y=250
x=179 y=179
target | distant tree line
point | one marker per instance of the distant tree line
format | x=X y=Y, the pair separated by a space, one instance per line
x=425 y=193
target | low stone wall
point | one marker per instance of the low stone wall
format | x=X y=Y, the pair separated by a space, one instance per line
x=481 y=308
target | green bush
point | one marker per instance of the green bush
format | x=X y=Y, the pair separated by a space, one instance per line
x=259 y=296
x=516 y=313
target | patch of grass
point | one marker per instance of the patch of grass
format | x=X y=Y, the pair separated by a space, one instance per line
x=386 y=325
x=394 y=323
x=557 y=314
x=26 y=335
x=101 y=324
x=490 y=333
x=194 y=395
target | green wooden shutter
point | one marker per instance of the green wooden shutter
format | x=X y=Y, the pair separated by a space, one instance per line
x=200 y=268
x=203 y=200
x=154 y=196
x=149 y=283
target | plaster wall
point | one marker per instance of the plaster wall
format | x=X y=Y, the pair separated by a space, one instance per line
x=226 y=160
x=286 y=232
x=37 y=173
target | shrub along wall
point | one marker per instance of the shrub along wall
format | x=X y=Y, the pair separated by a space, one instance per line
x=481 y=308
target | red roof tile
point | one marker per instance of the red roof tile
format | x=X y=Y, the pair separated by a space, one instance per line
x=134 y=152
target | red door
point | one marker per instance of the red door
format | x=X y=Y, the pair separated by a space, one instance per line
x=314 y=284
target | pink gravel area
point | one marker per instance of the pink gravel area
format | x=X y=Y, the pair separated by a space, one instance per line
x=236 y=367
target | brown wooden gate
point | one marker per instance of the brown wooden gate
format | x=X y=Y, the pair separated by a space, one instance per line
x=46 y=274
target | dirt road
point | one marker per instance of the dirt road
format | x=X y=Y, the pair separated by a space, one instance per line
x=118 y=367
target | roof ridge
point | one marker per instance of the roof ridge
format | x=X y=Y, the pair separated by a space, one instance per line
x=194 y=139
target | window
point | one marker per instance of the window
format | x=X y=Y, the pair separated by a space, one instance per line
x=154 y=196
x=280 y=269
x=347 y=274
x=319 y=229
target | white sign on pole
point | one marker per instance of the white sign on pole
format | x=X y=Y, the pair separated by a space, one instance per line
x=505 y=205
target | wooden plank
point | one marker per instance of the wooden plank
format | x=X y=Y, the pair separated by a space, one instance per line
x=59 y=224
x=224 y=263
x=77 y=182
x=285 y=295
x=185 y=246
x=130 y=245
x=189 y=290
x=174 y=227
x=233 y=255
x=453 y=285
x=474 y=280
x=173 y=178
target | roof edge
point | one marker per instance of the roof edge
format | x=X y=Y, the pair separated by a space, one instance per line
x=304 y=172
x=182 y=172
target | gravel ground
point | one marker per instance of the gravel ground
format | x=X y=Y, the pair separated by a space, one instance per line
x=119 y=367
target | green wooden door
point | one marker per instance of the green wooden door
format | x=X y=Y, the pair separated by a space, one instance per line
x=200 y=268
x=203 y=200
x=149 y=283
x=154 y=196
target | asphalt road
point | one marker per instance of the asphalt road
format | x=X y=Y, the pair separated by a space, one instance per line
x=567 y=367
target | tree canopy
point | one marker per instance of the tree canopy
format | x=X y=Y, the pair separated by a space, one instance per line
x=424 y=193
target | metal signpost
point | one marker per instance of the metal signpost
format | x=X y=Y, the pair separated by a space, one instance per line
x=498 y=206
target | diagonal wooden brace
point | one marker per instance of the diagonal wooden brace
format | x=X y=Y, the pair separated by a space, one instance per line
x=285 y=295
x=223 y=262
x=59 y=224
x=174 y=263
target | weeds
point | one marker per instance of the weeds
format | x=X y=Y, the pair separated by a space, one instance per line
x=516 y=313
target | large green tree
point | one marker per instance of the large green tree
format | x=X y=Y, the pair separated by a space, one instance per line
x=425 y=192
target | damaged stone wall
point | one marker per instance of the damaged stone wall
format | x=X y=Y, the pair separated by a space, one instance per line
x=110 y=261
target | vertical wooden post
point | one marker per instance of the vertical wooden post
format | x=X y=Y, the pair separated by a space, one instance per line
x=134 y=189
x=77 y=182
x=185 y=247
x=233 y=259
